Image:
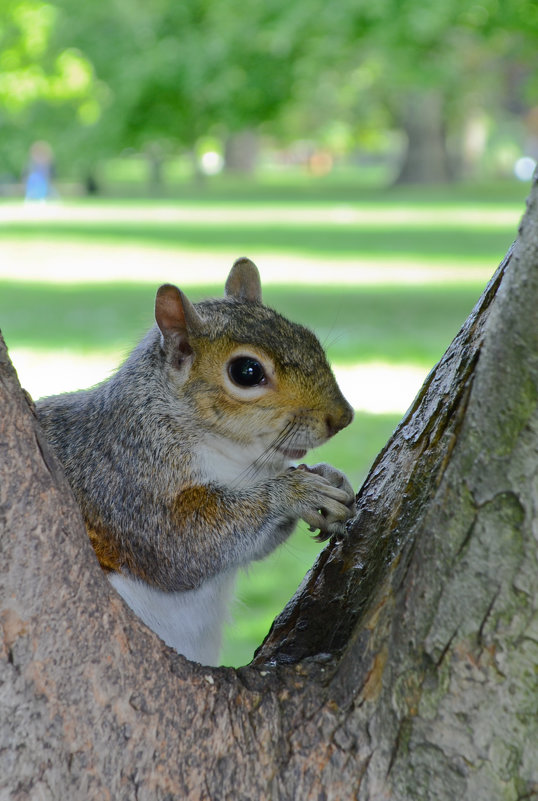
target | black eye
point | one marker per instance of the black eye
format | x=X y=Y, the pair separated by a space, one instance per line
x=246 y=372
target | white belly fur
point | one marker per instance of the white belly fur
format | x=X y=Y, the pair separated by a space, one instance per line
x=191 y=622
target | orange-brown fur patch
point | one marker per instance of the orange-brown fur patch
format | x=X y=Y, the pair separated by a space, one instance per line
x=107 y=552
x=198 y=501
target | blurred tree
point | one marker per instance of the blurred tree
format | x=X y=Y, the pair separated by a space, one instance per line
x=176 y=72
x=100 y=77
x=426 y=70
x=43 y=86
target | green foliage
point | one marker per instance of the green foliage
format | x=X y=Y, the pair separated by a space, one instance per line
x=98 y=77
x=177 y=71
x=42 y=85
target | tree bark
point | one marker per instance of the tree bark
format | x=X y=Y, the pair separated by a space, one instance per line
x=405 y=666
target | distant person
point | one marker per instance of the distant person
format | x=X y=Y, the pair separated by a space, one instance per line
x=40 y=172
x=91 y=185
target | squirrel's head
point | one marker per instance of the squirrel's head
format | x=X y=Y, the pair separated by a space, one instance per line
x=251 y=375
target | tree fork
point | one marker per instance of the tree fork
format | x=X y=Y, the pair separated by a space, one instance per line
x=405 y=665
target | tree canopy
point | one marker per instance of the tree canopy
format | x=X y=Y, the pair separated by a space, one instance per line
x=101 y=77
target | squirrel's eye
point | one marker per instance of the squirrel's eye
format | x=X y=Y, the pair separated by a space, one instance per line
x=246 y=372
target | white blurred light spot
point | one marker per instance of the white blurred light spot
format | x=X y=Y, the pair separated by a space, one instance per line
x=524 y=168
x=380 y=388
x=211 y=163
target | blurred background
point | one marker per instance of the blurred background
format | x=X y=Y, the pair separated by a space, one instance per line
x=372 y=158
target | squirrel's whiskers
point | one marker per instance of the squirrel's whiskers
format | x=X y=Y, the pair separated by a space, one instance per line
x=257 y=467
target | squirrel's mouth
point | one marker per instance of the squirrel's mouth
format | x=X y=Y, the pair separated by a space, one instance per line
x=293 y=453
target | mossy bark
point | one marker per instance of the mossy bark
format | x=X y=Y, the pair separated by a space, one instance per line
x=406 y=665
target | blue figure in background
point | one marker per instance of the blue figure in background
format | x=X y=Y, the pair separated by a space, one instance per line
x=40 y=172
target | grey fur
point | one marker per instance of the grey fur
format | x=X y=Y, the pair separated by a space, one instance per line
x=129 y=449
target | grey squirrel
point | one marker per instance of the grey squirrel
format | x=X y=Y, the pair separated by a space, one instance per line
x=182 y=461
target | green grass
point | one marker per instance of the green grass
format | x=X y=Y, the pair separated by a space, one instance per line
x=395 y=324
x=342 y=185
x=330 y=240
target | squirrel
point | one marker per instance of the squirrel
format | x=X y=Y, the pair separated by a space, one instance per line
x=182 y=461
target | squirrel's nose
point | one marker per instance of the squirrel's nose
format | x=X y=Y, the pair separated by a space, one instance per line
x=339 y=419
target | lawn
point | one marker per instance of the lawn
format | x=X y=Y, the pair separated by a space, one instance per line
x=404 y=323
x=334 y=240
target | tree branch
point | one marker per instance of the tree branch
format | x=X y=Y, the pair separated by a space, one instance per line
x=405 y=665
x=397 y=491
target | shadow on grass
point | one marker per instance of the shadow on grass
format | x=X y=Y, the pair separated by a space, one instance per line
x=397 y=324
x=329 y=240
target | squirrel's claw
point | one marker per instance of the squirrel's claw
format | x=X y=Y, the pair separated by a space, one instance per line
x=333 y=503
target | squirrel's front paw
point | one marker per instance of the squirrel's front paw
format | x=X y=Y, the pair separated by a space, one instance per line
x=330 y=502
x=337 y=479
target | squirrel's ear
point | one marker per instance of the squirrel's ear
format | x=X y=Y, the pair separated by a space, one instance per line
x=244 y=282
x=175 y=314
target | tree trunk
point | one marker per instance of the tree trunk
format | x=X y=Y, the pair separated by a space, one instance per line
x=241 y=152
x=155 y=160
x=426 y=158
x=405 y=666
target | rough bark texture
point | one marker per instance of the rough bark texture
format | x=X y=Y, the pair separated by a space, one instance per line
x=405 y=667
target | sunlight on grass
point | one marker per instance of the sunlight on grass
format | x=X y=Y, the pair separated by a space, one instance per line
x=60 y=261
x=338 y=214
x=362 y=243
x=378 y=388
